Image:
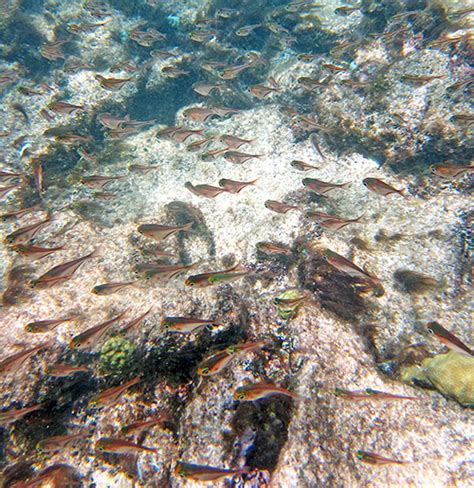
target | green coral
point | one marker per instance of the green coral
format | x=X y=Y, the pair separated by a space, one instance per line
x=117 y=355
x=451 y=374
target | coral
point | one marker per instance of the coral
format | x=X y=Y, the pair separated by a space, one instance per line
x=452 y=374
x=117 y=355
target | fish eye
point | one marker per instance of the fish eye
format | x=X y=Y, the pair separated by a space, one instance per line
x=325 y=257
x=205 y=371
x=241 y=396
x=430 y=330
x=360 y=454
x=33 y=284
x=101 y=448
x=29 y=328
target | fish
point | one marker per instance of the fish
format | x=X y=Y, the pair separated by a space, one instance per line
x=186 y=325
x=273 y=249
x=165 y=272
x=235 y=186
x=234 y=142
x=111 y=288
x=257 y=391
x=199 y=114
x=33 y=253
x=178 y=134
x=227 y=13
x=278 y=207
x=312 y=84
x=71 y=138
x=239 y=157
x=141 y=168
x=173 y=72
x=224 y=111
x=202 y=35
x=448 y=339
x=449 y=171
x=420 y=80
x=370 y=394
x=98 y=182
x=296 y=5
x=110 y=121
x=211 y=155
x=290 y=302
x=90 y=337
x=120 y=446
x=13 y=363
x=198 y=472
x=37 y=174
x=160 y=232
x=262 y=91
x=206 y=89
x=134 y=324
x=231 y=72
x=142 y=425
x=334 y=67
x=322 y=187
x=302 y=166
x=346 y=10
x=16 y=214
x=22 y=110
x=8 y=176
x=42 y=326
x=146 y=38
x=103 y=195
x=112 y=84
x=58 y=443
x=215 y=363
x=331 y=222
x=380 y=187
x=246 y=30
x=313 y=139
x=52 y=50
x=217 y=277
x=62 y=272
x=5 y=190
x=10 y=416
x=64 y=107
x=207 y=191
x=62 y=370
x=377 y=459
x=111 y=395
x=198 y=145
x=85 y=155
x=348 y=267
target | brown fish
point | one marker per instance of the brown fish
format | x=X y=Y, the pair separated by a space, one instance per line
x=111 y=288
x=370 y=394
x=348 y=267
x=42 y=326
x=322 y=187
x=178 y=134
x=164 y=272
x=61 y=272
x=92 y=336
x=112 y=84
x=9 y=177
x=5 y=190
x=235 y=186
x=120 y=446
x=246 y=30
x=10 y=416
x=198 y=145
x=377 y=459
x=448 y=339
x=273 y=249
x=141 y=426
x=142 y=168
x=312 y=84
x=13 y=363
x=334 y=67
x=313 y=124
x=232 y=72
x=239 y=157
x=112 y=395
x=262 y=91
x=217 y=277
x=98 y=181
x=279 y=207
x=173 y=72
x=346 y=10
x=206 y=89
x=224 y=111
x=380 y=187
x=161 y=232
x=205 y=473
x=27 y=233
x=16 y=214
x=420 y=80
x=33 y=253
x=85 y=155
x=64 y=370
x=207 y=191
x=199 y=114
x=211 y=155
x=186 y=325
x=302 y=166
x=58 y=443
x=64 y=107
x=136 y=322
x=449 y=171
x=331 y=222
x=257 y=391
x=234 y=142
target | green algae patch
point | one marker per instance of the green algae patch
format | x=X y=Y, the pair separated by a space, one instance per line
x=451 y=374
x=117 y=355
